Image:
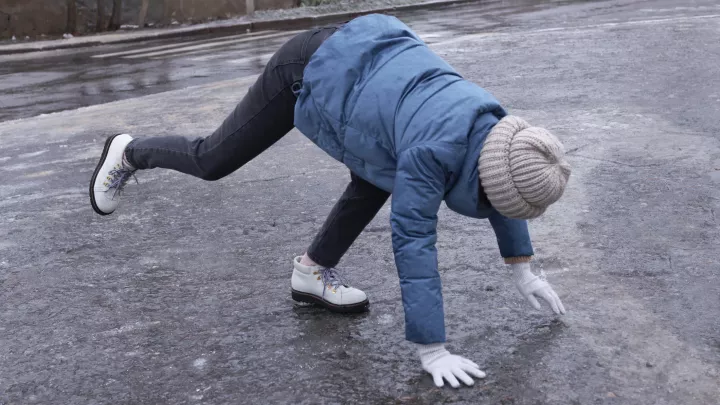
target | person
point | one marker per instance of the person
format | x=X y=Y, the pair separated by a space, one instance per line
x=372 y=95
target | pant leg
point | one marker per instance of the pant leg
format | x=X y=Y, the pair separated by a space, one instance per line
x=262 y=117
x=358 y=205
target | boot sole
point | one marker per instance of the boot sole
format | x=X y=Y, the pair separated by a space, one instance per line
x=95 y=173
x=313 y=299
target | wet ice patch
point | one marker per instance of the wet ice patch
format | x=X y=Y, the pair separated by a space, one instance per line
x=14 y=80
x=126 y=218
x=385 y=319
x=200 y=363
x=128 y=328
x=7 y=244
x=32 y=154
x=39 y=174
x=17 y=167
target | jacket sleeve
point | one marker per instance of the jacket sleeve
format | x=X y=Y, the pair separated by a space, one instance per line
x=513 y=238
x=418 y=191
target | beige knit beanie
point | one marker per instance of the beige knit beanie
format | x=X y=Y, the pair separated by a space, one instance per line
x=522 y=168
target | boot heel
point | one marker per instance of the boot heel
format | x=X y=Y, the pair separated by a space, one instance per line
x=300 y=297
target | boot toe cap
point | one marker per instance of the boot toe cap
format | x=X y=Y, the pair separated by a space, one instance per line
x=352 y=296
x=104 y=202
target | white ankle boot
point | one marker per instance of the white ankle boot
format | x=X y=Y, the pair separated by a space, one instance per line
x=318 y=285
x=110 y=175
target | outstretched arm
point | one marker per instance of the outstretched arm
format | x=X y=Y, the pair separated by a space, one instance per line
x=514 y=241
x=417 y=194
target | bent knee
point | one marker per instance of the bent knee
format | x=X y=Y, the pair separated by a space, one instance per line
x=212 y=175
x=210 y=172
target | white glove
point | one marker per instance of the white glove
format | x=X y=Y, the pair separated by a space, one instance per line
x=532 y=286
x=441 y=364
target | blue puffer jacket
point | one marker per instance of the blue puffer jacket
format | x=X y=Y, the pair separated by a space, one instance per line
x=376 y=98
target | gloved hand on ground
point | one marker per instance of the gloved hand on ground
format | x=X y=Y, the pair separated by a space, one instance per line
x=437 y=361
x=533 y=287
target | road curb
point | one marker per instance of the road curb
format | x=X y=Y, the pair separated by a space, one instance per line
x=287 y=23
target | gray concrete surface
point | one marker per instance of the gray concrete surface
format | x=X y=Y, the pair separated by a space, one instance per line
x=182 y=296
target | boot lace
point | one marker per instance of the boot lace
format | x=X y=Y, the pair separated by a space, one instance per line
x=332 y=279
x=117 y=179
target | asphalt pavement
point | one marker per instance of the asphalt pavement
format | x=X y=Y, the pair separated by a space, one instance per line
x=182 y=296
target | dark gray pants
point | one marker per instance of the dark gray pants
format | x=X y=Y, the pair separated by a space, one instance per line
x=262 y=117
